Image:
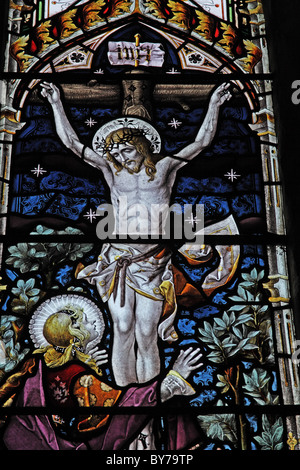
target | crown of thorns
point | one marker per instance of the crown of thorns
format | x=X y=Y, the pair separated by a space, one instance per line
x=131 y=127
x=128 y=134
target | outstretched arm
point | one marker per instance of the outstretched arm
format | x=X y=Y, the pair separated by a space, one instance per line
x=63 y=127
x=208 y=128
x=67 y=134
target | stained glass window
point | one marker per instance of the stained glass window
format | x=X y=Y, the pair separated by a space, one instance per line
x=145 y=293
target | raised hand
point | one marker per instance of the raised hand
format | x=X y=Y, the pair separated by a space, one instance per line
x=187 y=361
x=100 y=356
x=50 y=92
x=221 y=94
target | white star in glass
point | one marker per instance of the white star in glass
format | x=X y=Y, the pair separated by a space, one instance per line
x=90 y=122
x=91 y=215
x=174 y=123
x=38 y=170
x=231 y=175
x=192 y=220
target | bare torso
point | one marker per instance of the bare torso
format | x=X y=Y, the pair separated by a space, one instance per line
x=141 y=205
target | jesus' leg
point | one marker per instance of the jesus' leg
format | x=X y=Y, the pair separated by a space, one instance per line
x=148 y=313
x=123 y=350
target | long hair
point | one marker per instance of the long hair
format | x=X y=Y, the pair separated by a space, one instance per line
x=65 y=331
x=136 y=138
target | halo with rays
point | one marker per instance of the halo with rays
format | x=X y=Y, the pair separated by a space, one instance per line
x=126 y=122
x=57 y=303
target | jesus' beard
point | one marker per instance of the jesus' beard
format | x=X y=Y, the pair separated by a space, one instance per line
x=133 y=170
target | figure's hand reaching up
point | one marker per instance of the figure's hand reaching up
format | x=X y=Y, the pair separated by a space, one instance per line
x=50 y=92
x=187 y=361
x=221 y=94
x=100 y=356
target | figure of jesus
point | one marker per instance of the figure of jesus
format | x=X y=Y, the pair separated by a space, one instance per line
x=136 y=278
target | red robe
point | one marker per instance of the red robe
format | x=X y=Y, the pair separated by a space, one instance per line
x=42 y=432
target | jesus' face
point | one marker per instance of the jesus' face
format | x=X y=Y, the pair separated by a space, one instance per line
x=128 y=148
x=127 y=155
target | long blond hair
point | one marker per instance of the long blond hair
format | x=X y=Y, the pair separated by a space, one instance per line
x=136 y=138
x=65 y=333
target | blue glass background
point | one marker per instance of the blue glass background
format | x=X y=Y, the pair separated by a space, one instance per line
x=68 y=190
